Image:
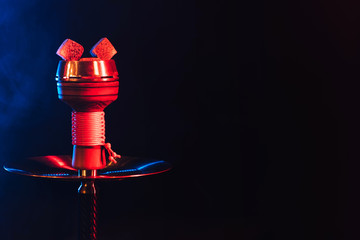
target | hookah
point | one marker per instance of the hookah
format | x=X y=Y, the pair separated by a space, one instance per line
x=88 y=86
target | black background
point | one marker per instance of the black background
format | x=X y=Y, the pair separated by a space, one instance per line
x=255 y=104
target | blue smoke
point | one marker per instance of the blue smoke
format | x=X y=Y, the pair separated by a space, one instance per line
x=30 y=33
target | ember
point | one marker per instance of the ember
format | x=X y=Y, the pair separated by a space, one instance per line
x=103 y=49
x=70 y=50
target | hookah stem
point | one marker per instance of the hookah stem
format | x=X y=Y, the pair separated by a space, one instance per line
x=87 y=207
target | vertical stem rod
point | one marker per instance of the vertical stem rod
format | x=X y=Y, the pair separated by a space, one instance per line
x=87 y=207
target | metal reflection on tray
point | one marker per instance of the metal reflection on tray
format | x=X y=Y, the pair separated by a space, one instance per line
x=59 y=166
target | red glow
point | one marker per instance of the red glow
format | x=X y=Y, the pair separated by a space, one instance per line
x=59 y=162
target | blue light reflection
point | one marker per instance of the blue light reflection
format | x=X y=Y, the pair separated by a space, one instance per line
x=149 y=164
x=14 y=170
x=56 y=174
x=134 y=169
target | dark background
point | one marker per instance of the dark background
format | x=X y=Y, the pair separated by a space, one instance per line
x=254 y=103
